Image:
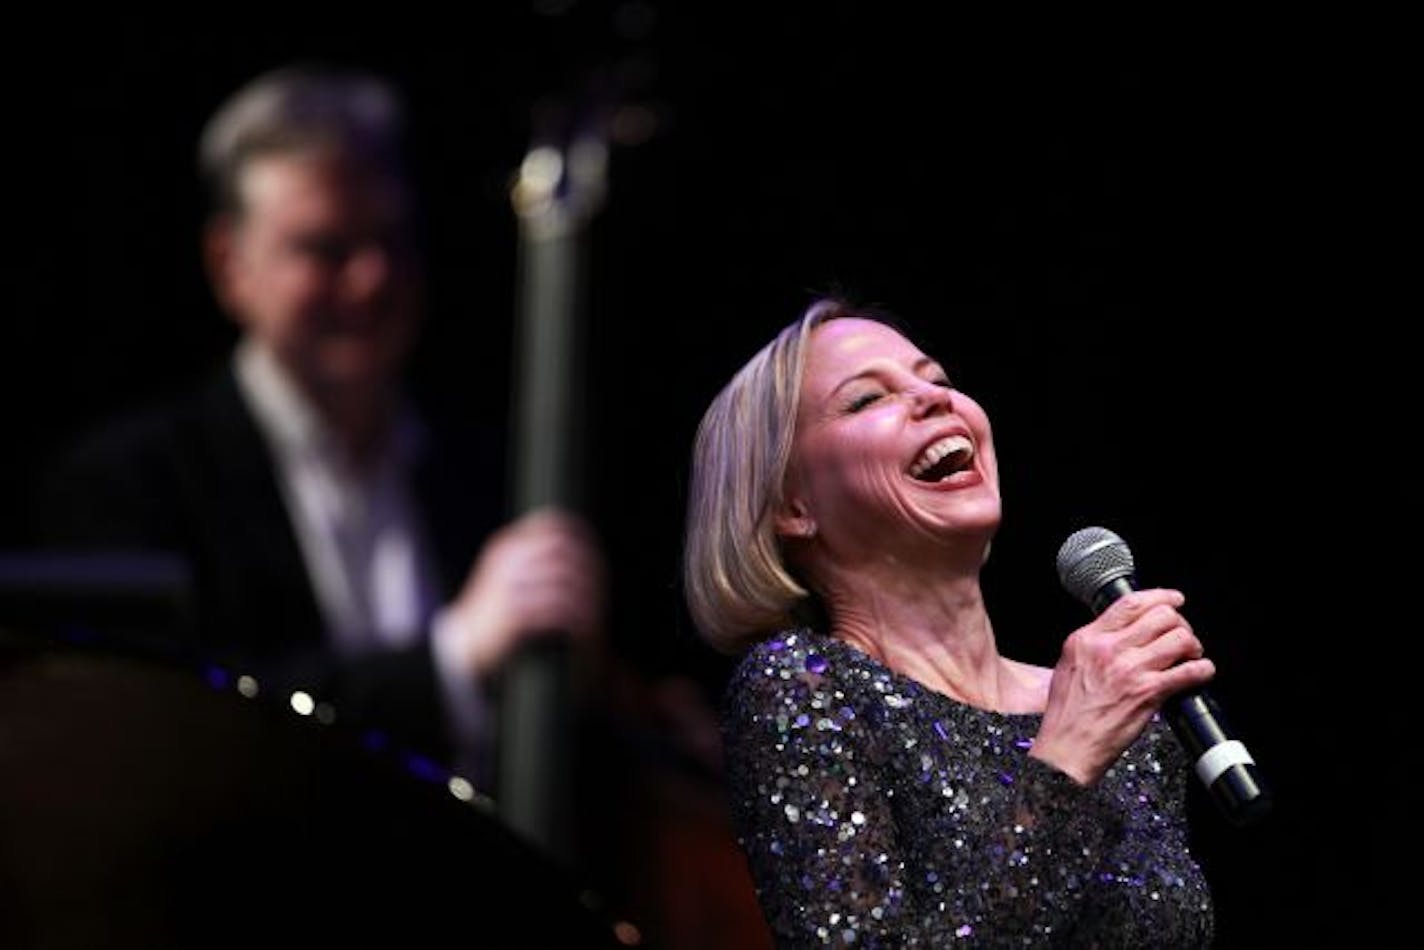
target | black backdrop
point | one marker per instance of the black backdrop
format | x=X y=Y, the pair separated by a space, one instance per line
x=1157 y=270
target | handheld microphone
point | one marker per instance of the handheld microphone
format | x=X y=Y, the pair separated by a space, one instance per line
x=1096 y=567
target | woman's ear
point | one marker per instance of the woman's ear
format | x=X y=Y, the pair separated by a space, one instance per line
x=794 y=521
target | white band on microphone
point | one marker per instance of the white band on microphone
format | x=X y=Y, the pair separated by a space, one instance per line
x=1221 y=757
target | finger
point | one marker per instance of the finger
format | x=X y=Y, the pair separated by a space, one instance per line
x=574 y=591
x=536 y=530
x=538 y=547
x=522 y=564
x=1186 y=675
x=555 y=576
x=1175 y=645
x=1151 y=625
x=1128 y=608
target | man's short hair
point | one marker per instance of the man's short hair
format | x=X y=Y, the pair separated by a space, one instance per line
x=300 y=109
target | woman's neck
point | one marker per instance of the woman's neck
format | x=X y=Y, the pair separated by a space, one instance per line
x=935 y=630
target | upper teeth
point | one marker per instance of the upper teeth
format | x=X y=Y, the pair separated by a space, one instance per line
x=946 y=446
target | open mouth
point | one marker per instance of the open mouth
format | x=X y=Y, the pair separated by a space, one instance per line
x=943 y=458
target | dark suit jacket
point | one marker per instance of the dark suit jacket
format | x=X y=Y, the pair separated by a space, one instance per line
x=197 y=480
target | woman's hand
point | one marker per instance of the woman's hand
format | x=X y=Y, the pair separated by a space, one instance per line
x=1113 y=674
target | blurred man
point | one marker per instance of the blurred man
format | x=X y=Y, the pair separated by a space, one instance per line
x=338 y=543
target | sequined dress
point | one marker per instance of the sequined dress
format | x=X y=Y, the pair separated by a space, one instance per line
x=876 y=812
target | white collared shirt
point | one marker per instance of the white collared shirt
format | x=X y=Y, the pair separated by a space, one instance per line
x=361 y=538
x=357 y=527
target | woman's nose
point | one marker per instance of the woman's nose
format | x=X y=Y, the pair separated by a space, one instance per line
x=930 y=400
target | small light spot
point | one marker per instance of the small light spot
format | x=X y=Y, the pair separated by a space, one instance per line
x=461 y=788
x=247 y=686
x=302 y=703
x=627 y=934
x=542 y=168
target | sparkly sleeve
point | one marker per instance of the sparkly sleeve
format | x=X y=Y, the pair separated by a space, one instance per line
x=811 y=817
x=842 y=853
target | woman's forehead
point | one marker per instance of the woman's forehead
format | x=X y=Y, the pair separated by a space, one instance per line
x=850 y=343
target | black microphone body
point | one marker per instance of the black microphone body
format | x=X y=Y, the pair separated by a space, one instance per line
x=1096 y=566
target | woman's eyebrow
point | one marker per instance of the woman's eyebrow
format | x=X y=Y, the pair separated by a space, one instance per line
x=876 y=367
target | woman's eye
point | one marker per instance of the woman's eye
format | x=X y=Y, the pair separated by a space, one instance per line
x=863 y=400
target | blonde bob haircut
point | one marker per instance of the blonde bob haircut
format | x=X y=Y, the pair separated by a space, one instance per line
x=736 y=580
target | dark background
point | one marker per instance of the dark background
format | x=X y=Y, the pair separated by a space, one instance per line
x=1160 y=271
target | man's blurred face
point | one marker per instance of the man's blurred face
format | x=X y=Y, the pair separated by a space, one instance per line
x=318 y=268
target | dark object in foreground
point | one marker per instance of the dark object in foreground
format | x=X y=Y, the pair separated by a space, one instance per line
x=149 y=805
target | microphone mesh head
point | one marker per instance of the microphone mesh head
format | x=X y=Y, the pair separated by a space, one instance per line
x=1090 y=558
